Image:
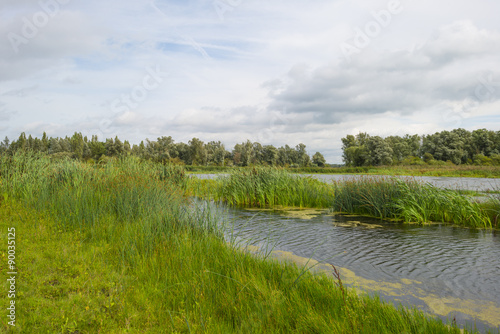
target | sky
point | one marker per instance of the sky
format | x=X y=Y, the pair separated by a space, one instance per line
x=277 y=72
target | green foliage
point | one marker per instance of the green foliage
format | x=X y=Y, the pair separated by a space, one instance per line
x=413 y=161
x=163 y=150
x=319 y=160
x=458 y=146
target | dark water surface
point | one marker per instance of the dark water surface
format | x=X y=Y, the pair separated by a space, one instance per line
x=448 y=271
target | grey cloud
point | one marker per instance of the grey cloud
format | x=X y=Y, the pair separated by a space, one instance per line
x=398 y=81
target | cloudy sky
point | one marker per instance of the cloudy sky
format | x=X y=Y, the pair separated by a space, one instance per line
x=275 y=71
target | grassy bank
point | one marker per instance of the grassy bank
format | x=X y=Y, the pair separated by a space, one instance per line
x=381 y=197
x=119 y=248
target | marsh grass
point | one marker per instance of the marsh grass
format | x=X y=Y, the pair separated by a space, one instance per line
x=118 y=248
x=265 y=187
x=492 y=208
x=405 y=200
x=408 y=200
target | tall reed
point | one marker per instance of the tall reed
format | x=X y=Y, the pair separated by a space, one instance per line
x=407 y=200
x=265 y=187
x=103 y=200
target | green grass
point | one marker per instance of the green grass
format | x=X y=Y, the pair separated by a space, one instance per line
x=120 y=249
x=408 y=200
x=264 y=187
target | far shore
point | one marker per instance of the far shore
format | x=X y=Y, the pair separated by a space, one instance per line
x=413 y=170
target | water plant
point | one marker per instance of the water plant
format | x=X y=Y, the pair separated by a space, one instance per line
x=408 y=200
x=265 y=187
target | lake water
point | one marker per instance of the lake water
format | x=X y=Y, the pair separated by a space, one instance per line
x=447 y=271
x=450 y=272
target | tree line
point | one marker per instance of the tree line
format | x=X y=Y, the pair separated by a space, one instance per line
x=459 y=146
x=166 y=150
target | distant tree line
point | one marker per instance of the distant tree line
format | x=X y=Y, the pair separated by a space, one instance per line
x=166 y=150
x=459 y=146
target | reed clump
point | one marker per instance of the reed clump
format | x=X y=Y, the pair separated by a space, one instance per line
x=265 y=187
x=407 y=200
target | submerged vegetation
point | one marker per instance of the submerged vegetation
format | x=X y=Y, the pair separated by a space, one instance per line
x=119 y=247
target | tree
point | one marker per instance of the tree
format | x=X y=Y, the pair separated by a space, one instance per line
x=446 y=146
x=379 y=152
x=166 y=148
x=45 y=143
x=198 y=154
x=54 y=146
x=243 y=153
x=126 y=147
x=97 y=148
x=483 y=142
x=287 y=156
x=216 y=153
x=270 y=155
x=354 y=149
x=257 y=154
x=65 y=144
x=183 y=152
x=77 y=145
x=21 y=143
x=428 y=157
x=4 y=146
x=302 y=156
x=318 y=159
x=404 y=147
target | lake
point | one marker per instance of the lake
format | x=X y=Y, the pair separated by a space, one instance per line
x=451 y=272
x=448 y=271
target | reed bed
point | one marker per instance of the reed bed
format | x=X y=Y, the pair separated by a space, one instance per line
x=119 y=248
x=407 y=200
x=265 y=187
